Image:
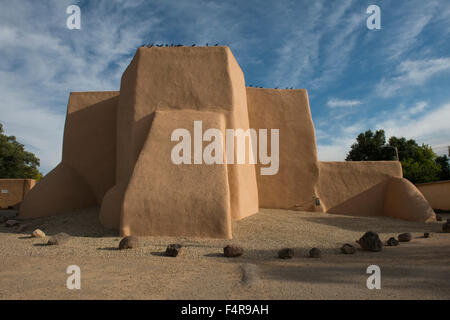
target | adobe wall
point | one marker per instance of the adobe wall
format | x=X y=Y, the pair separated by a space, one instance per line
x=165 y=199
x=86 y=170
x=177 y=79
x=287 y=110
x=355 y=187
x=13 y=191
x=404 y=201
x=437 y=193
x=371 y=188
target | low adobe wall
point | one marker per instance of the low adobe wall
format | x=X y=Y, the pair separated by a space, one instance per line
x=370 y=188
x=13 y=191
x=437 y=193
x=86 y=170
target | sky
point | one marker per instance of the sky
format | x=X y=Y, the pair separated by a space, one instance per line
x=396 y=78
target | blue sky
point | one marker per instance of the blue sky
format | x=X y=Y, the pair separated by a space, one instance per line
x=396 y=78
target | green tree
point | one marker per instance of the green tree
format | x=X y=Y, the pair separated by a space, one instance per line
x=419 y=163
x=15 y=162
x=371 y=146
x=443 y=162
x=421 y=166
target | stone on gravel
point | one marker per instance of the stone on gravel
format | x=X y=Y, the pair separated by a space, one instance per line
x=129 y=242
x=427 y=235
x=315 y=253
x=392 y=242
x=232 y=251
x=404 y=237
x=370 y=241
x=285 y=253
x=174 y=250
x=348 y=249
x=58 y=239
x=38 y=234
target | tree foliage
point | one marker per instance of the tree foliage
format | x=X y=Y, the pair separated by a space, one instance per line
x=15 y=162
x=419 y=163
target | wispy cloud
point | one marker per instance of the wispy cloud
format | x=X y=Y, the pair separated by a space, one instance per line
x=337 y=103
x=412 y=73
x=415 y=122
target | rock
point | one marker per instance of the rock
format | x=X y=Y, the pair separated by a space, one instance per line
x=315 y=253
x=427 y=235
x=38 y=234
x=370 y=241
x=348 y=249
x=232 y=251
x=285 y=253
x=11 y=223
x=3 y=219
x=174 y=250
x=446 y=227
x=58 y=239
x=130 y=242
x=404 y=237
x=392 y=242
x=438 y=218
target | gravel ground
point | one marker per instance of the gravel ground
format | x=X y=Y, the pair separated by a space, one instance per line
x=419 y=269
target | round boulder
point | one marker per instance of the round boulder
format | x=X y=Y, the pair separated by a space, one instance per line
x=392 y=242
x=404 y=237
x=38 y=234
x=370 y=241
x=173 y=250
x=286 y=253
x=315 y=253
x=232 y=251
x=348 y=249
x=129 y=242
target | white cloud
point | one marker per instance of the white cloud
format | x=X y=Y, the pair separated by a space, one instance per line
x=412 y=73
x=42 y=61
x=336 y=103
x=425 y=126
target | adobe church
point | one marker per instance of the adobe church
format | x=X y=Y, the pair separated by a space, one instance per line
x=117 y=154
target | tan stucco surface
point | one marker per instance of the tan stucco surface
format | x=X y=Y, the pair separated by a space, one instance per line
x=87 y=167
x=188 y=200
x=404 y=201
x=287 y=110
x=370 y=188
x=13 y=191
x=178 y=79
x=437 y=194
